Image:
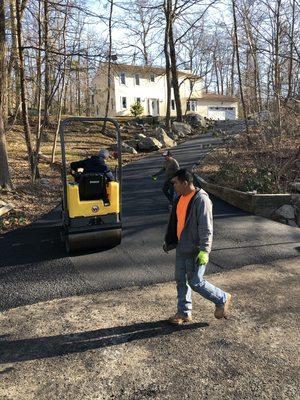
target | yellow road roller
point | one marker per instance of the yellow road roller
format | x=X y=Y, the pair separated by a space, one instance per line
x=91 y=204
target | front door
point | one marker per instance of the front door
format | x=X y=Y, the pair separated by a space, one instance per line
x=153 y=107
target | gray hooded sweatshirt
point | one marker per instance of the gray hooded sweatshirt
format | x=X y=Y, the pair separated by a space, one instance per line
x=197 y=233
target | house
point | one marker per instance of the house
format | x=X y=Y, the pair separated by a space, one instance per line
x=147 y=85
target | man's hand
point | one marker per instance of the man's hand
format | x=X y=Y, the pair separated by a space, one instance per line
x=154 y=177
x=203 y=257
x=165 y=248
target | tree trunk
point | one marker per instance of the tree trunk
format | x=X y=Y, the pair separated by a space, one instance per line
x=277 y=78
x=239 y=68
x=232 y=66
x=109 y=64
x=47 y=64
x=290 y=68
x=5 y=181
x=23 y=89
x=13 y=62
x=168 y=70
x=78 y=87
x=174 y=67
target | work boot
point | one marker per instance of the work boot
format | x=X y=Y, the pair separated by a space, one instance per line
x=221 y=310
x=178 y=319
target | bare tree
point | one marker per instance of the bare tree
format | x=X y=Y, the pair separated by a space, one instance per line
x=109 y=62
x=238 y=65
x=26 y=124
x=5 y=181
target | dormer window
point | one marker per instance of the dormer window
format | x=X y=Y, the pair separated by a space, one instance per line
x=122 y=78
x=137 y=79
x=152 y=78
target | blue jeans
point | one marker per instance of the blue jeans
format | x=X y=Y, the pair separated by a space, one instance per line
x=189 y=276
x=168 y=190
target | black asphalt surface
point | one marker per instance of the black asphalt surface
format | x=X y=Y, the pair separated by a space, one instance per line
x=34 y=266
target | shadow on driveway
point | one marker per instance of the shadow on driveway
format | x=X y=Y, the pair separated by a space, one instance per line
x=54 y=346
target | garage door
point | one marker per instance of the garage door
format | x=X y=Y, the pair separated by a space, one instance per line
x=221 y=113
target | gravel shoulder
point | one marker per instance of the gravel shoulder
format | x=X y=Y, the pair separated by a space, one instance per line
x=116 y=345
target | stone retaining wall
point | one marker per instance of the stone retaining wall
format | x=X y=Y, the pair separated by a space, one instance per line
x=283 y=208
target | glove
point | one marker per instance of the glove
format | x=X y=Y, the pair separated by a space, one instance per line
x=165 y=248
x=154 y=177
x=203 y=257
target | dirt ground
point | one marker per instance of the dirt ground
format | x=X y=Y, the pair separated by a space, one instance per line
x=117 y=345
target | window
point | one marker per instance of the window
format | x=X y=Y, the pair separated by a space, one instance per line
x=124 y=102
x=137 y=79
x=93 y=100
x=191 y=85
x=112 y=103
x=191 y=105
x=221 y=108
x=152 y=78
x=122 y=78
x=173 y=105
x=138 y=100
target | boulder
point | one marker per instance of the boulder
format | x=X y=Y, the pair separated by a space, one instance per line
x=181 y=129
x=162 y=136
x=195 y=120
x=149 y=144
x=132 y=143
x=140 y=136
x=286 y=211
x=295 y=187
x=173 y=135
x=125 y=148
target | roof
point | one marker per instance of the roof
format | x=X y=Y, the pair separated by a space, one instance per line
x=147 y=69
x=217 y=97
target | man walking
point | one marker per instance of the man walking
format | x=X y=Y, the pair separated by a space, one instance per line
x=170 y=166
x=190 y=231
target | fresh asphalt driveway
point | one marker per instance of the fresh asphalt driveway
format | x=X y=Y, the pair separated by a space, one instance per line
x=34 y=266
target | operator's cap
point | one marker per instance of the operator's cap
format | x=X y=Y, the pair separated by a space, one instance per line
x=166 y=153
x=103 y=153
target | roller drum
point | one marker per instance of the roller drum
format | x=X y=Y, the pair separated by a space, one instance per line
x=93 y=241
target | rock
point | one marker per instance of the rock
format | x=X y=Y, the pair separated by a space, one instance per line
x=149 y=144
x=173 y=135
x=162 y=136
x=181 y=129
x=295 y=187
x=125 y=148
x=140 y=136
x=286 y=211
x=195 y=120
x=291 y=222
x=132 y=143
x=45 y=182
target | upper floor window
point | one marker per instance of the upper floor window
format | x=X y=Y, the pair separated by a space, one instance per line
x=123 y=102
x=137 y=79
x=152 y=78
x=138 y=100
x=191 y=85
x=122 y=78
